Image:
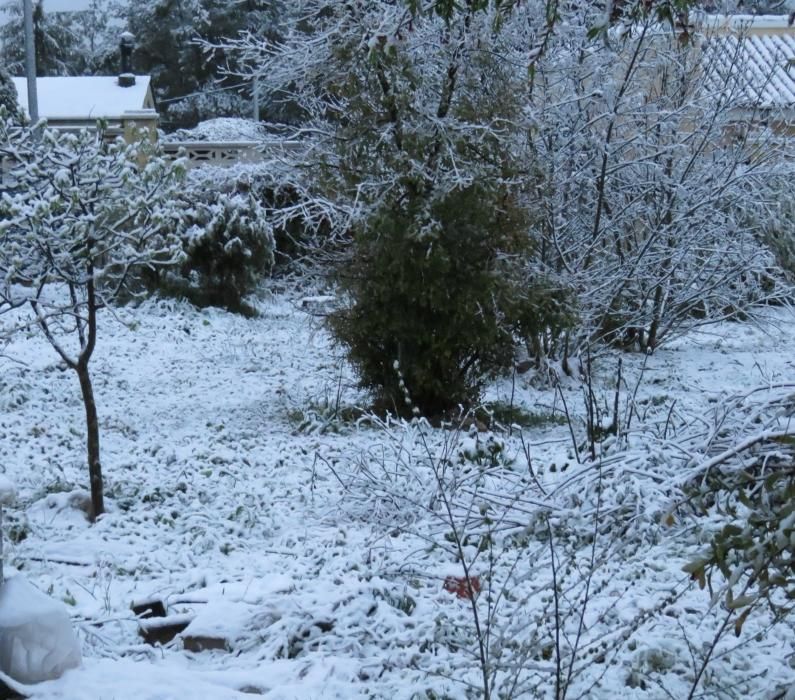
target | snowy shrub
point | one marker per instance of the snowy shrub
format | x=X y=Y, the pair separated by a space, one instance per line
x=8 y=98
x=750 y=555
x=647 y=200
x=438 y=276
x=229 y=247
x=444 y=303
x=776 y=219
x=236 y=225
x=303 y=223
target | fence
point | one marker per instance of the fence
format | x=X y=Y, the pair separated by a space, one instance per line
x=224 y=153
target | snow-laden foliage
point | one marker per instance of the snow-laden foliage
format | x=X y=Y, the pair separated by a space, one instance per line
x=57 y=40
x=656 y=179
x=228 y=242
x=80 y=210
x=79 y=219
x=633 y=157
x=73 y=42
x=236 y=223
x=423 y=136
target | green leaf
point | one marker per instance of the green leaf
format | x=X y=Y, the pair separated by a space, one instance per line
x=596 y=31
x=696 y=571
x=740 y=621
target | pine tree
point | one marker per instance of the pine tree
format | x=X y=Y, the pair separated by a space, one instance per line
x=8 y=96
x=168 y=35
x=57 y=41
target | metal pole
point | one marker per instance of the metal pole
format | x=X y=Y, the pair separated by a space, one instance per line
x=2 y=577
x=256 y=98
x=30 y=63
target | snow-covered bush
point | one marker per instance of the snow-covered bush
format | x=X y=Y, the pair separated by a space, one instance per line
x=651 y=175
x=236 y=224
x=445 y=304
x=615 y=136
x=229 y=247
x=228 y=243
x=750 y=483
x=421 y=135
x=777 y=221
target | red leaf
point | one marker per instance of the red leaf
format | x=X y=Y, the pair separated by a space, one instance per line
x=458 y=585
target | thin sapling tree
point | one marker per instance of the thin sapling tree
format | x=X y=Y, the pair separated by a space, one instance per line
x=80 y=217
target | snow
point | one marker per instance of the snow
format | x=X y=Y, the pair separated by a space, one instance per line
x=240 y=496
x=36 y=638
x=223 y=129
x=85 y=97
x=8 y=492
x=745 y=23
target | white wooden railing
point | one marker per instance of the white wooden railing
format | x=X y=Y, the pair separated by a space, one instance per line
x=225 y=153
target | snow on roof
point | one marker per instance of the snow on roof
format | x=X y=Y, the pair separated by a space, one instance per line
x=85 y=97
x=764 y=65
x=746 y=22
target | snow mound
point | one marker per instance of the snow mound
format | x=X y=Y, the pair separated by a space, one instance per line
x=223 y=129
x=36 y=638
x=8 y=492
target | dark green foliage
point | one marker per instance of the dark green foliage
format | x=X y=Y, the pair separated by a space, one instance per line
x=228 y=244
x=167 y=36
x=8 y=97
x=444 y=305
x=753 y=551
x=437 y=285
x=58 y=39
x=230 y=249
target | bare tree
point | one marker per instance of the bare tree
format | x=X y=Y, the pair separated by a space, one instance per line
x=651 y=168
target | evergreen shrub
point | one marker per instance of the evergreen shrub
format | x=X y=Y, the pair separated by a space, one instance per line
x=436 y=293
x=228 y=243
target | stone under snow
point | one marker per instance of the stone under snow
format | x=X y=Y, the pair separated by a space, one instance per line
x=37 y=642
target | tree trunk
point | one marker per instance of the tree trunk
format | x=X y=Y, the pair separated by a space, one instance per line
x=92 y=441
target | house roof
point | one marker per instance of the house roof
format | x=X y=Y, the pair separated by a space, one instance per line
x=86 y=97
x=759 y=53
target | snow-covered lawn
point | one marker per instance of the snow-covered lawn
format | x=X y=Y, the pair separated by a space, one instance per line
x=244 y=493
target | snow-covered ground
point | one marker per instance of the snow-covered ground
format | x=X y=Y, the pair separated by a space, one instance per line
x=246 y=493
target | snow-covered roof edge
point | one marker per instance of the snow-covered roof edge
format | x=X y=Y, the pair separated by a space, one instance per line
x=87 y=97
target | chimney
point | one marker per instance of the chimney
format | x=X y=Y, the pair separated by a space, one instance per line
x=126 y=76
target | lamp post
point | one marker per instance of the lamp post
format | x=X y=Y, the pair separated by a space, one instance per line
x=30 y=62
